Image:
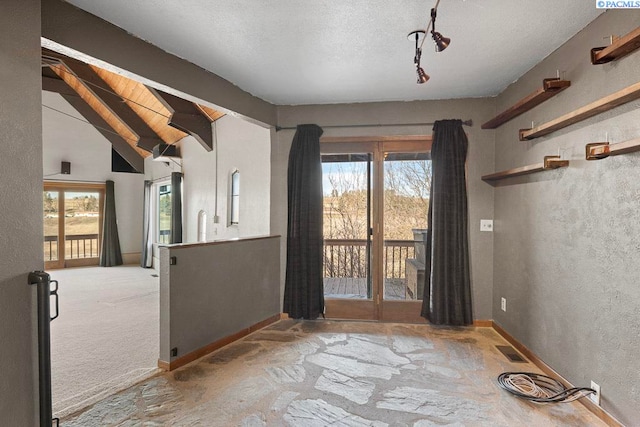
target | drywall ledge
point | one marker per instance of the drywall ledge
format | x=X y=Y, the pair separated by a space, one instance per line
x=215 y=290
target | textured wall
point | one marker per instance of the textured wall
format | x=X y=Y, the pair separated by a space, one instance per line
x=479 y=161
x=216 y=290
x=566 y=242
x=20 y=208
x=241 y=146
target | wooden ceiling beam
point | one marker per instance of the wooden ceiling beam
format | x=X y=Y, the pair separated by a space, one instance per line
x=187 y=117
x=117 y=142
x=54 y=84
x=83 y=73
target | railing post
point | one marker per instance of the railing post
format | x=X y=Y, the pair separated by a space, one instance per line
x=42 y=281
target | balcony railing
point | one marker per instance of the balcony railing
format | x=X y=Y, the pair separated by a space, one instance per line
x=76 y=246
x=164 y=236
x=348 y=258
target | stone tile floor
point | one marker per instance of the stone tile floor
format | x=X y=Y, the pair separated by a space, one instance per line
x=320 y=373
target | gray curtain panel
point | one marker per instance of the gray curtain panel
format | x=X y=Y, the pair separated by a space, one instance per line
x=110 y=254
x=176 y=207
x=447 y=291
x=304 y=292
x=146 y=258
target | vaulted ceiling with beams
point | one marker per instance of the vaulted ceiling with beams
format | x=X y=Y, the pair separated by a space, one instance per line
x=133 y=117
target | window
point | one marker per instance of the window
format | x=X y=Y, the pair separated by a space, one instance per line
x=234 y=207
x=164 y=213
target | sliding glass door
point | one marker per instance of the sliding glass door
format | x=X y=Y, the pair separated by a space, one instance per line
x=72 y=224
x=376 y=196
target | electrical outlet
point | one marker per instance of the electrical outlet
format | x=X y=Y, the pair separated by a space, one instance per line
x=486 y=225
x=503 y=304
x=595 y=397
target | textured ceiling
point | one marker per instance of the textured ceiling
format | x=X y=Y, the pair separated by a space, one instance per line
x=332 y=51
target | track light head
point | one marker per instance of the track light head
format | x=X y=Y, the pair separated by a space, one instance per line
x=422 y=76
x=441 y=42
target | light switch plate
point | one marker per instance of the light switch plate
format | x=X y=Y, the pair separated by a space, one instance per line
x=486 y=225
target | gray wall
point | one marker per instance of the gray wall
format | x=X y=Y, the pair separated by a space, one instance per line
x=480 y=161
x=20 y=208
x=566 y=242
x=216 y=290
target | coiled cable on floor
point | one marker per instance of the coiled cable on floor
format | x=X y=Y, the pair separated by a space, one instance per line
x=540 y=388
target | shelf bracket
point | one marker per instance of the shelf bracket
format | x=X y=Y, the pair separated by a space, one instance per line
x=597 y=150
x=602 y=150
x=619 y=47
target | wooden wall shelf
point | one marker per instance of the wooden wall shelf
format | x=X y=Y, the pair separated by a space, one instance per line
x=602 y=150
x=550 y=87
x=607 y=103
x=616 y=50
x=550 y=162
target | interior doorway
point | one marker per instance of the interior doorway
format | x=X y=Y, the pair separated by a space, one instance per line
x=376 y=199
x=72 y=223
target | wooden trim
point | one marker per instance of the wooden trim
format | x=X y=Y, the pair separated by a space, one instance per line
x=483 y=323
x=349 y=309
x=164 y=365
x=609 y=419
x=216 y=345
x=550 y=88
x=66 y=185
x=601 y=105
x=550 y=162
x=402 y=311
x=616 y=50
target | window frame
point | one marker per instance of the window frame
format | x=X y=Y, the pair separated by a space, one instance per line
x=234 y=198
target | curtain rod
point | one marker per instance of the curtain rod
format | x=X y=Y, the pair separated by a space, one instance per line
x=78 y=181
x=465 y=122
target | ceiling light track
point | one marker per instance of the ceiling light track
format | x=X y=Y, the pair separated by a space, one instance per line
x=441 y=43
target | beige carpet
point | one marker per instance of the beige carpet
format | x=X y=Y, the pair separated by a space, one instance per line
x=107 y=335
x=324 y=373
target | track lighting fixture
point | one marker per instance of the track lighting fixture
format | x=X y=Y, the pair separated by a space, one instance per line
x=422 y=76
x=441 y=43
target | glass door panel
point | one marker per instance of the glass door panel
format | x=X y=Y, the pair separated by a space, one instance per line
x=346 y=184
x=81 y=224
x=51 y=226
x=72 y=223
x=407 y=185
x=164 y=214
